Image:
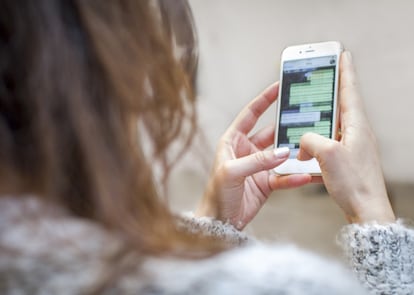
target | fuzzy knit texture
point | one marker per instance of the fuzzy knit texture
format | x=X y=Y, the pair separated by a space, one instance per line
x=382 y=256
x=45 y=251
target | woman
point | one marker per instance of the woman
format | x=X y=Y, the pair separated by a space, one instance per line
x=94 y=99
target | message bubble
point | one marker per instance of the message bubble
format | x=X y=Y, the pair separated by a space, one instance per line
x=299 y=131
x=320 y=108
x=317 y=88
x=296 y=118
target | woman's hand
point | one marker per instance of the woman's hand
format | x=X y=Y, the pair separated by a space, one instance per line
x=240 y=182
x=351 y=168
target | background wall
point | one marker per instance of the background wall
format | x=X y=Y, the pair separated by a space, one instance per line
x=240 y=42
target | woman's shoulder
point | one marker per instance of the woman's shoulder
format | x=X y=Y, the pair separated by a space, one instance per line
x=253 y=269
x=46 y=251
x=28 y=224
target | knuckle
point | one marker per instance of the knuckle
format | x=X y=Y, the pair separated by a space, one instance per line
x=350 y=86
x=371 y=136
x=225 y=170
x=305 y=137
x=260 y=159
x=331 y=150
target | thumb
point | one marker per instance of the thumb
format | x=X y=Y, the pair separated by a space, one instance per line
x=257 y=162
x=312 y=145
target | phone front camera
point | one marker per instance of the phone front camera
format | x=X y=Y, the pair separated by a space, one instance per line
x=300 y=51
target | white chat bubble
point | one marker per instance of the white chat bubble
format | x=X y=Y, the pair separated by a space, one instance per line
x=296 y=118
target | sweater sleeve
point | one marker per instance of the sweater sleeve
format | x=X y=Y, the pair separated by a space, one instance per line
x=211 y=227
x=382 y=256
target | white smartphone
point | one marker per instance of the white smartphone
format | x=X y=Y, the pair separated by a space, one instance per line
x=308 y=100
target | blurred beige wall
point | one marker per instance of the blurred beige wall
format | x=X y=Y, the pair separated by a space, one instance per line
x=240 y=42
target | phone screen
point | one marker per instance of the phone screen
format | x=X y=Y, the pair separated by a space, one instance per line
x=307 y=99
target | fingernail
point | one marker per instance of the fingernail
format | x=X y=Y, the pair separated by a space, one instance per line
x=348 y=56
x=281 y=152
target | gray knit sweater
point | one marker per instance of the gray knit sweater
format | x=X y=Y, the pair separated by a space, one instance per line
x=44 y=251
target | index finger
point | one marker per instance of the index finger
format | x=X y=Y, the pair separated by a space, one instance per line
x=348 y=88
x=247 y=118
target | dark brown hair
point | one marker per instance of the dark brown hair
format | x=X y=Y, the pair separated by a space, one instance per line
x=92 y=96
